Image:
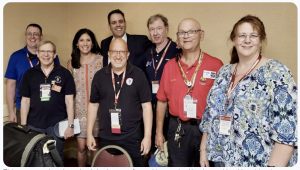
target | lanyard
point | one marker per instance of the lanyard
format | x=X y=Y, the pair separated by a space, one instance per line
x=231 y=87
x=161 y=59
x=29 y=60
x=114 y=85
x=46 y=76
x=191 y=83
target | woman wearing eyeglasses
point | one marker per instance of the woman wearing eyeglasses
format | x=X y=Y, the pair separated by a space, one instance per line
x=251 y=115
x=86 y=61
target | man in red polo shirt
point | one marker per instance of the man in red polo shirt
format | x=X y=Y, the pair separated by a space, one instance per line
x=184 y=85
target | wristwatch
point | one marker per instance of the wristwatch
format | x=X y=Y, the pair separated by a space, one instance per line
x=71 y=126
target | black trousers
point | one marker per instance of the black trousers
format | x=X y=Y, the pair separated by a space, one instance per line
x=131 y=144
x=188 y=154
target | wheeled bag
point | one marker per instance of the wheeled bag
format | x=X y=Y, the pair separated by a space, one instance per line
x=24 y=147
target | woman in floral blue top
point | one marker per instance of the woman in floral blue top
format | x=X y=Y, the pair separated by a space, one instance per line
x=251 y=115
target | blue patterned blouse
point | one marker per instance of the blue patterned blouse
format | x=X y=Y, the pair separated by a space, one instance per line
x=263 y=109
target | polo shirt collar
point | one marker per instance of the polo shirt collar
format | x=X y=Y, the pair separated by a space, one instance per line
x=193 y=65
x=56 y=67
x=161 y=51
x=129 y=68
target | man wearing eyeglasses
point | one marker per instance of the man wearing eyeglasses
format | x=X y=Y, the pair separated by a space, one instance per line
x=184 y=85
x=121 y=97
x=19 y=62
x=137 y=44
x=47 y=92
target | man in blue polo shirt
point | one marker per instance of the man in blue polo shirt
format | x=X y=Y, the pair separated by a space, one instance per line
x=19 y=62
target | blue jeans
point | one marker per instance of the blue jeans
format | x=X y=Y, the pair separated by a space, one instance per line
x=50 y=132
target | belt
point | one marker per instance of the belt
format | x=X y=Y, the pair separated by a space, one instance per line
x=191 y=121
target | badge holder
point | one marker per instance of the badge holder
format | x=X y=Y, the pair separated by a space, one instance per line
x=189 y=107
x=116 y=120
x=155 y=86
x=45 y=92
x=225 y=124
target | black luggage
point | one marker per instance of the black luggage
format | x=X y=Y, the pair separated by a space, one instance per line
x=24 y=147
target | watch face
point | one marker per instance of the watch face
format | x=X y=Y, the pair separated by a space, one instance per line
x=71 y=126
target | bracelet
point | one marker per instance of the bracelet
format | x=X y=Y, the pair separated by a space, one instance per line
x=202 y=150
x=270 y=166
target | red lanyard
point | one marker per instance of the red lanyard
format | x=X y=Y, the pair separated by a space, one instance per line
x=46 y=76
x=30 y=61
x=161 y=59
x=231 y=87
x=114 y=85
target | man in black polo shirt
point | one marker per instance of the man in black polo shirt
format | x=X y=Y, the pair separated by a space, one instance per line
x=47 y=92
x=120 y=94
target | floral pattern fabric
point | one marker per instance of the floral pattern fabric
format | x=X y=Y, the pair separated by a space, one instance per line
x=263 y=110
x=83 y=78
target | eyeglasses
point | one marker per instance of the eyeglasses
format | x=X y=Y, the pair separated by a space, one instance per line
x=118 y=52
x=44 y=52
x=190 y=33
x=32 y=34
x=242 y=37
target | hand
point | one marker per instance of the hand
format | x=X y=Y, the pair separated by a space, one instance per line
x=69 y=133
x=91 y=143
x=203 y=159
x=69 y=65
x=13 y=117
x=159 y=141
x=145 y=146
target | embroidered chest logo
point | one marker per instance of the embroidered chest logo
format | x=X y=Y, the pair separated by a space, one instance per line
x=57 y=79
x=129 y=81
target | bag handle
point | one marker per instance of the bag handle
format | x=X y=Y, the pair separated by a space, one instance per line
x=54 y=154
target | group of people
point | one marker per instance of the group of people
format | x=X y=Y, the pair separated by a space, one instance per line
x=138 y=94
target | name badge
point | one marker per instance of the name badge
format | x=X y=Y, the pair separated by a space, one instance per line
x=116 y=120
x=225 y=124
x=56 y=88
x=155 y=86
x=190 y=107
x=45 y=92
x=209 y=74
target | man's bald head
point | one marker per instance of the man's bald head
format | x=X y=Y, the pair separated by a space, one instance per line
x=118 y=42
x=189 y=21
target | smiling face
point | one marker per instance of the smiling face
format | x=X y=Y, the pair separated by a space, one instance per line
x=85 y=43
x=46 y=55
x=248 y=47
x=33 y=37
x=117 y=25
x=118 y=54
x=158 y=31
x=190 y=42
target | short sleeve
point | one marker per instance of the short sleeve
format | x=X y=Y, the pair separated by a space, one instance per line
x=11 y=72
x=144 y=89
x=24 y=89
x=70 y=84
x=161 y=94
x=95 y=93
x=283 y=109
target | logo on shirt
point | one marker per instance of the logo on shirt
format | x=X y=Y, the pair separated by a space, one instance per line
x=202 y=81
x=57 y=79
x=129 y=81
x=148 y=63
